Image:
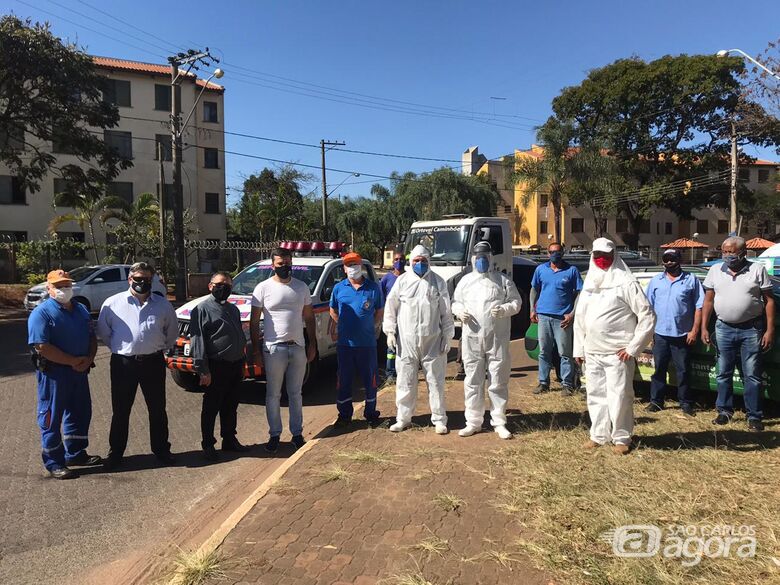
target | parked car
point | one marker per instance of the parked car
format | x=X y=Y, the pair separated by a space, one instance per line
x=320 y=273
x=92 y=285
x=703 y=358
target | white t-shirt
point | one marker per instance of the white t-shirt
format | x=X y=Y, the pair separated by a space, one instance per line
x=282 y=305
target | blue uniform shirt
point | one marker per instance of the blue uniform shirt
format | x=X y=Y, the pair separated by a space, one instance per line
x=69 y=331
x=356 y=309
x=675 y=302
x=558 y=289
x=387 y=282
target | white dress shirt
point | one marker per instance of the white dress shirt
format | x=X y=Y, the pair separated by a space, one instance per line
x=129 y=328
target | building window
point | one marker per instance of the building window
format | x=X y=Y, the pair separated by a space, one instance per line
x=577 y=225
x=58 y=144
x=658 y=228
x=121 y=189
x=621 y=225
x=702 y=226
x=121 y=142
x=210 y=112
x=507 y=209
x=744 y=175
x=11 y=139
x=117 y=92
x=212 y=202
x=11 y=191
x=644 y=226
x=167 y=195
x=77 y=238
x=668 y=228
x=544 y=200
x=723 y=226
x=165 y=141
x=210 y=158
x=763 y=175
x=162 y=97
x=542 y=227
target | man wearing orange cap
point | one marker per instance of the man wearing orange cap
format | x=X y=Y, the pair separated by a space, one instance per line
x=62 y=337
x=356 y=305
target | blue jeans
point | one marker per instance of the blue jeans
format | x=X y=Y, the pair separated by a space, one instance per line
x=284 y=361
x=739 y=342
x=364 y=361
x=552 y=335
x=675 y=349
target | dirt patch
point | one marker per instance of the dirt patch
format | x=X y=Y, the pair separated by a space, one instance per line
x=12 y=295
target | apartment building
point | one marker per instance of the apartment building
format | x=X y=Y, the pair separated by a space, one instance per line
x=532 y=218
x=142 y=93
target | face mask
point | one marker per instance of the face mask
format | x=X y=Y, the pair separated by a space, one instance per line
x=482 y=265
x=283 y=271
x=672 y=268
x=603 y=262
x=399 y=265
x=355 y=271
x=556 y=257
x=63 y=295
x=733 y=261
x=420 y=268
x=142 y=287
x=221 y=291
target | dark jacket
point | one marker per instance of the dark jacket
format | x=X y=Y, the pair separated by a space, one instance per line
x=215 y=333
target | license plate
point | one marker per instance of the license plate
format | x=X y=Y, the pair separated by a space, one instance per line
x=187 y=350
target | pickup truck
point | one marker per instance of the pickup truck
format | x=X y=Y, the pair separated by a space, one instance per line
x=320 y=273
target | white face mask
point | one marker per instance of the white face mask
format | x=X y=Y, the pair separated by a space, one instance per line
x=354 y=271
x=63 y=295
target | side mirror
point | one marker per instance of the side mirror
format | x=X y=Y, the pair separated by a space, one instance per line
x=326 y=293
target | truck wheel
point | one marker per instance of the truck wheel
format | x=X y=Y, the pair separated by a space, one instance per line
x=187 y=381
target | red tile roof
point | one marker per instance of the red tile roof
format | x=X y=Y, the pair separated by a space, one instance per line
x=684 y=243
x=150 y=68
x=759 y=244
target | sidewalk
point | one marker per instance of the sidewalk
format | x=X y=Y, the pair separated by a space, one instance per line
x=368 y=506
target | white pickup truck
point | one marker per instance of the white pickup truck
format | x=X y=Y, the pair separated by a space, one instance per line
x=320 y=273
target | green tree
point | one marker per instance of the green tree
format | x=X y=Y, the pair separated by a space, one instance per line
x=87 y=208
x=51 y=92
x=137 y=224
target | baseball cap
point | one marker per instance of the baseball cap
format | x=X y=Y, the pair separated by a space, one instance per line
x=352 y=258
x=58 y=277
x=603 y=245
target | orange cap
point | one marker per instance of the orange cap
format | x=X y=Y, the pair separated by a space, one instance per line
x=353 y=258
x=58 y=276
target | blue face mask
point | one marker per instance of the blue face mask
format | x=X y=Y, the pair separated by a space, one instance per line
x=420 y=268
x=399 y=266
x=482 y=264
x=733 y=261
x=556 y=257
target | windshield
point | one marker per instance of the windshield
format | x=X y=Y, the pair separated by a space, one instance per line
x=447 y=243
x=83 y=273
x=246 y=281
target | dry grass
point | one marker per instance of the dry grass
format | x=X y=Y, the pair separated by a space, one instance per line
x=413 y=578
x=285 y=488
x=431 y=546
x=334 y=473
x=501 y=557
x=363 y=456
x=448 y=502
x=196 y=568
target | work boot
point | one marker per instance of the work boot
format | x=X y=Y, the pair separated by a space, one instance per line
x=63 y=473
x=721 y=419
x=468 y=430
x=567 y=391
x=541 y=388
x=210 y=454
x=85 y=460
x=653 y=407
x=342 y=422
x=503 y=432
x=298 y=441
x=687 y=410
x=590 y=444
x=272 y=446
x=755 y=425
x=441 y=429
x=621 y=449
x=234 y=446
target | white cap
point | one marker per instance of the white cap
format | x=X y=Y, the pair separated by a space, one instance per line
x=603 y=245
x=419 y=250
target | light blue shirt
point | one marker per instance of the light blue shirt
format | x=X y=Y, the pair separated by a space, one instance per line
x=675 y=302
x=129 y=328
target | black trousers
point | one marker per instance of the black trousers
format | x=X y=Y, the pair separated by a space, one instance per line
x=127 y=374
x=221 y=397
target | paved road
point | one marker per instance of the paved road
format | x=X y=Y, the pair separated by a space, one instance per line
x=60 y=531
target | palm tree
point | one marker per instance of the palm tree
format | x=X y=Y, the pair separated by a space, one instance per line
x=86 y=208
x=135 y=219
x=550 y=173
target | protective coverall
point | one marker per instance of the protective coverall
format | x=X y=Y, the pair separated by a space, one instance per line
x=612 y=314
x=485 y=303
x=418 y=307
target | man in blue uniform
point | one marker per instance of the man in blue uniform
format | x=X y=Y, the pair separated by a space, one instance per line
x=356 y=306
x=61 y=335
x=386 y=285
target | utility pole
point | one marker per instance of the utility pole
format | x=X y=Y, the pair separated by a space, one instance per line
x=323 y=144
x=734 y=172
x=161 y=205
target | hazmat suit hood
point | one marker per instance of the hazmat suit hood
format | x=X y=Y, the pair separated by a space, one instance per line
x=420 y=250
x=616 y=275
x=482 y=249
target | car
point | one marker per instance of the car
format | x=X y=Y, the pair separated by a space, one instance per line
x=92 y=285
x=703 y=358
x=320 y=273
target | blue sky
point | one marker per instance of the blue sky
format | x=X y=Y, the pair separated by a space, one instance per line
x=450 y=58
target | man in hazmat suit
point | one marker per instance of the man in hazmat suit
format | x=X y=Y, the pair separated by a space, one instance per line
x=613 y=323
x=418 y=307
x=485 y=301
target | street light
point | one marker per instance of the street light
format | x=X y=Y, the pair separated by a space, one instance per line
x=695 y=237
x=725 y=52
x=342 y=182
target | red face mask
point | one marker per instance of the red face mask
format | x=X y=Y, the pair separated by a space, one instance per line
x=603 y=262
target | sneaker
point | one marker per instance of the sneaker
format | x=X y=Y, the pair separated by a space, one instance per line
x=567 y=391
x=468 y=430
x=272 y=446
x=541 y=388
x=374 y=417
x=755 y=425
x=63 y=473
x=721 y=419
x=687 y=410
x=653 y=407
x=621 y=449
x=441 y=429
x=503 y=432
x=234 y=446
x=298 y=441
x=398 y=426
x=342 y=422
x=590 y=444
x=210 y=454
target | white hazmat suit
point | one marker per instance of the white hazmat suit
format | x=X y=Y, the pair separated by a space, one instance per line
x=485 y=303
x=612 y=314
x=418 y=307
